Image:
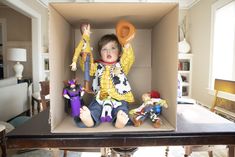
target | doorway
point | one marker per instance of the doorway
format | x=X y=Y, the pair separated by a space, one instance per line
x=2 y=47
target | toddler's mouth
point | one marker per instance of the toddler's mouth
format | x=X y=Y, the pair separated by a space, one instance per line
x=109 y=56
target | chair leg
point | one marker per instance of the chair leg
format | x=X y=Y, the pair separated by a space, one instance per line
x=32 y=106
x=38 y=107
x=210 y=153
x=65 y=153
x=187 y=151
x=231 y=151
x=105 y=152
x=167 y=151
x=3 y=144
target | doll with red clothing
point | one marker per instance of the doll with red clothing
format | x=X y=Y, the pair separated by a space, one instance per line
x=151 y=108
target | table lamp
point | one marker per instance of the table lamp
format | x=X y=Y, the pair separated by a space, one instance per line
x=18 y=55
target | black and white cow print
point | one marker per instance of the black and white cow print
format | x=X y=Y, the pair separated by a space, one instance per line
x=118 y=78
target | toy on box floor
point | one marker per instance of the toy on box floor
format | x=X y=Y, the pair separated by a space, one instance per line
x=151 y=108
x=73 y=92
x=108 y=104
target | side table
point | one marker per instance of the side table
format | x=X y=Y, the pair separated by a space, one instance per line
x=28 y=80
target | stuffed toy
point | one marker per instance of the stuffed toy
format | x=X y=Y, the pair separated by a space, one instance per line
x=73 y=92
x=151 y=108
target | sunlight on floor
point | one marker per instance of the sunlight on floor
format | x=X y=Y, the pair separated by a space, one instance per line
x=174 y=151
x=92 y=154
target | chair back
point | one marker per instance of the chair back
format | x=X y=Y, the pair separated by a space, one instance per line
x=45 y=90
x=225 y=86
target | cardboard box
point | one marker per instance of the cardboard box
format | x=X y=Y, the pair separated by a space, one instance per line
x=155 y=47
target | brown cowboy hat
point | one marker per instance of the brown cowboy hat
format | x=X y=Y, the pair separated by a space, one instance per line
x=125 y=31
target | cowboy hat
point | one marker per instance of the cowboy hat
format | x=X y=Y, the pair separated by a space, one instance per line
x=125 y=31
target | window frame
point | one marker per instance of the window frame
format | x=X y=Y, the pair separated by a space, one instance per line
x=217 y=5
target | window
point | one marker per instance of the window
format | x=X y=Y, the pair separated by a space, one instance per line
x=223 y=41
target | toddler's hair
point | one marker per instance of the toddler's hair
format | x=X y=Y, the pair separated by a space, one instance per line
x=108 y=38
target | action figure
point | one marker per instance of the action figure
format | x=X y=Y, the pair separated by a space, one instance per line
x=73 y=92
x=84 y=49
x=108 y=104
x=151 y=108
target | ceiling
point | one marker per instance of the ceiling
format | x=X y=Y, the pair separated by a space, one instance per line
x=143 y=15
x=186 y=4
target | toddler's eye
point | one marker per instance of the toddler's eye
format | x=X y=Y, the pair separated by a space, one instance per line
x=104 y=50
x=114 y=48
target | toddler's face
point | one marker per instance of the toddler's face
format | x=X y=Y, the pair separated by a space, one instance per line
x=109 y=52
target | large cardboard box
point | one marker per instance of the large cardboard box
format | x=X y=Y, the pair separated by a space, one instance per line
x=155 y=47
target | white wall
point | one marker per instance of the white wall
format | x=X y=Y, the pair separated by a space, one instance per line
x=199 y=36
x=44 y=18
x=39 y=18
x=18 y=34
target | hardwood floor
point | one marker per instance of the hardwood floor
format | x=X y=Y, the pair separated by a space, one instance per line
x=174 y=151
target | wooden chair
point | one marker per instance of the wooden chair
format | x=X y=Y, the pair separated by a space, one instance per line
x=44 y=93
x=41 y=97
x=221 y=87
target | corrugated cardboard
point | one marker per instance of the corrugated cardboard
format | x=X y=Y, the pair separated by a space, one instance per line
x=155 y=47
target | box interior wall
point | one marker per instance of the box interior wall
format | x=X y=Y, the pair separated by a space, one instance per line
x=155 y=46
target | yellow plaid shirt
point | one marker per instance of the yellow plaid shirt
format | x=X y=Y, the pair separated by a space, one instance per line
x=106 y=85
x=83 y=46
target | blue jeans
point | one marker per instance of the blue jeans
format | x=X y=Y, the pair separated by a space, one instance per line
x=96 y=110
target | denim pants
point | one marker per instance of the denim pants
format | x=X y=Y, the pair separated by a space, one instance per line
x=96 y=110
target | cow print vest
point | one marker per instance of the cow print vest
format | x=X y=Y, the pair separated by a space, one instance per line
x=117 y=76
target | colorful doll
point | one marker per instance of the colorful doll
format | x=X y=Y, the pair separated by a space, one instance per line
x=108 y=104
x=84 y=49
x=73 y=92
x=151 y=108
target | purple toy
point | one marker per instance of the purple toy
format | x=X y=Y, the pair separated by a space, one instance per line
x=73 y=93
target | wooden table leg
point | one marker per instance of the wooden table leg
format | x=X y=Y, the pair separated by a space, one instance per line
x=32 y=105
x=231 y=152
x=3 y=143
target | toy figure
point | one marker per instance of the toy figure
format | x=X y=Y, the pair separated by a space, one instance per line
x=74 y=92
x=111 y=81
x=108 y=105
x=84 y=50
x=151 y=108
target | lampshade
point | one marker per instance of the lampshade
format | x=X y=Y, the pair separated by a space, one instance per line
x=16 y=54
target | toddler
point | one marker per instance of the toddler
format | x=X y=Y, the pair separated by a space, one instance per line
x=110 y=83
